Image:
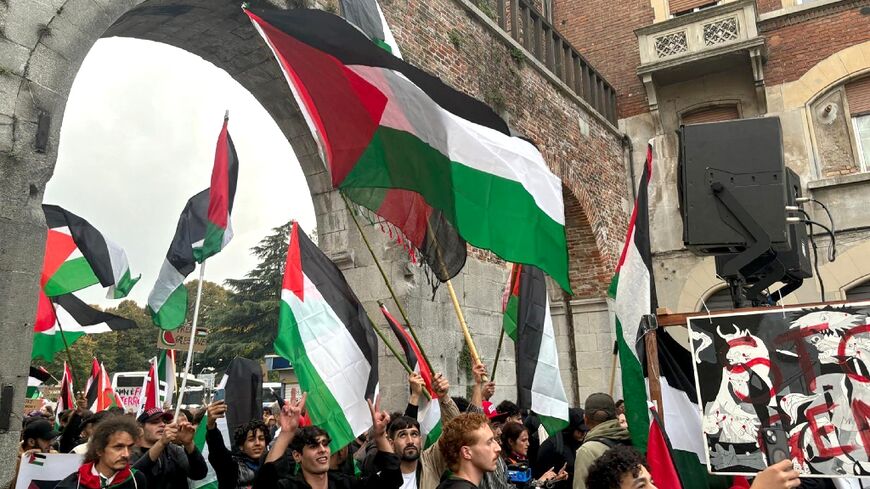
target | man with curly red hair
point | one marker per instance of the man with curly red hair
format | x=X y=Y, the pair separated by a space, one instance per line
x=470 y=449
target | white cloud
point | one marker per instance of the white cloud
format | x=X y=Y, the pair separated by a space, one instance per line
x=138 y=140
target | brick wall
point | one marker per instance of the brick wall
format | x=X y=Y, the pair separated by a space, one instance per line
x=445 y=38
x=588 y=273
x=603 y=31
x=796 y=43
x=764 y=6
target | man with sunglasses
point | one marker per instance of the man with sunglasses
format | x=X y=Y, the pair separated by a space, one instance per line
x=309 y=447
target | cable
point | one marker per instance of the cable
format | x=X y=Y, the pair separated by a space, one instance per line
x=832 y=231
x=815 y=250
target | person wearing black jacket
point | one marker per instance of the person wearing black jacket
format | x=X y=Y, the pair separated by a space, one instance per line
x=560 y=449
x=107 y=461
x=235 y=470
x=310 y=449
x=157 y=453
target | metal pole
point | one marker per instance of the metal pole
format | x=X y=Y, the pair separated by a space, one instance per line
x=386 y=281
x=497 y=354
x=192 y=340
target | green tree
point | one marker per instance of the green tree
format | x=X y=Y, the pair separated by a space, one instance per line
x=247 y=326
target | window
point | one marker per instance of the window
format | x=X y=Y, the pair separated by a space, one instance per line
x=716 y=113
x=680 y=7
x=860 y=292
x=858 y=98
x=718 y=301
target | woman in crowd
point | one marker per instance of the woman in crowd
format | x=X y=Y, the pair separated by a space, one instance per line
x=514 y=449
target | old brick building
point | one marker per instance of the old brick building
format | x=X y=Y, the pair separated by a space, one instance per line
x=681 y=61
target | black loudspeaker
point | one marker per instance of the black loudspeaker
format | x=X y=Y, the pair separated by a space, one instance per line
x=745 y=157
x=797 y=259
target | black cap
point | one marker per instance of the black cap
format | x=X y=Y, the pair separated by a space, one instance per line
x=600 y=402
x=40 y=429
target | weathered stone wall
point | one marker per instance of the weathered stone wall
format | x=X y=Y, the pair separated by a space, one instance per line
x=43 y=43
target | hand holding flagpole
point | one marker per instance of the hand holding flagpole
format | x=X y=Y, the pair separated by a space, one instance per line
x=192 y=339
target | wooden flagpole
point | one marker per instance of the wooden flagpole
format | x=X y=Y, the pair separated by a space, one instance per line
x=613 y=368
x=497 y=354
x=386 y=281
x=192 y=340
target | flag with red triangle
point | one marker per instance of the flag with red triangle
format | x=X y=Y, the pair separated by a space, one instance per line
x=150 y=396
x=107 y=396
x=66 y=399
x=166 y=374
x=659 y=456
x=92 y=387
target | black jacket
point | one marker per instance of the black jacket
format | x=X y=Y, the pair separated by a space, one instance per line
x=449 y=482
x=172 y=468
x=555 y=452
x=232 y=471
x=84 y=479
x=389 y=476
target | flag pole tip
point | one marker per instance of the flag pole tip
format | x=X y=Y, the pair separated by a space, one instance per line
x=226 y=114
x=380 y=303
x=245 y=6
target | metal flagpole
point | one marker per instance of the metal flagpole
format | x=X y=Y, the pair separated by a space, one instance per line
x=192 y=339
x=497 y=354
x=386 y=281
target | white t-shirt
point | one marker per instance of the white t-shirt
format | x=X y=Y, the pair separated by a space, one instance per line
x=409 y=480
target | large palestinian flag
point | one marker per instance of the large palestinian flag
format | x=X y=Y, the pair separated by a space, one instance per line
x=429 y=411
x=326 y=334
x=633 y=288
x=76 y=318
x=369 y=18
x=539 y=379
x=203 y=229
x=78 y=256
x=383 y=124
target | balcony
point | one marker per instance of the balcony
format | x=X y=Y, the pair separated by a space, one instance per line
x=702 y=42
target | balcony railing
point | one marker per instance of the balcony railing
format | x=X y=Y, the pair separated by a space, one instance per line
x=530 y=28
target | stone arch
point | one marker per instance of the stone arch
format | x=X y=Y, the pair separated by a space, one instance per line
x=587 y=265
x=833 y=70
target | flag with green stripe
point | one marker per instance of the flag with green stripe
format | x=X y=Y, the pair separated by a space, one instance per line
x=382 y=123
x=539 y=379
x=325 y=333
x=77 y=255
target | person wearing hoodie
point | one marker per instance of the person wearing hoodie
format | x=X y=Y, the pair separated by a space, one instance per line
x=235 y=470
x=604 y=432
x=107 y=461
x=561 y=448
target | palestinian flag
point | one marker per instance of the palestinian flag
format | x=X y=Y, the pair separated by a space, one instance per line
x=429 y=411
x=66 y=399
x=38 y=376
x=369 y=18
x=510 y=303
x=383 y=124
x=210 y=479
x=166 y=374
x=78 y=256
x=224 y=175
x=659 y=455
x=327 y=336
x=539 y=379
x=150 y=396
x=76 y=318
x=104 y=395
x=92 y=386
x=633 y=289
x=167 y=302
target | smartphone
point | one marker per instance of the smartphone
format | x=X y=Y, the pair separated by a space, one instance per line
x=278 y=399
x=220 y=395
x=775 y=444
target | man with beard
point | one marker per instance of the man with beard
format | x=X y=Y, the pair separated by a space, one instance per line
x=251 y=439
x=470 y=449
x=404 y=433
x=311 y=453
x=107 y=461
x=157 y=453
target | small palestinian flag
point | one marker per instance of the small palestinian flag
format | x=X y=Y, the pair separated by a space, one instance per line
x=382 y=124
x=108 y=397
x=222 y=193
x=78 y=256
x=369 y=18
x=510 y=303
x=429 y=411
x=66 y=399
x=166 y=374
x=325 y=333
x=150 y=396
x=38 y=376
x=76 y=318
x=92 y=387
x=539 y=379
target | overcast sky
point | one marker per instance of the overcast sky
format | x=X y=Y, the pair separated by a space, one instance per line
x=138 y=140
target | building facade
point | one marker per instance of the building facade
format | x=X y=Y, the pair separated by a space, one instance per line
x=676 y=62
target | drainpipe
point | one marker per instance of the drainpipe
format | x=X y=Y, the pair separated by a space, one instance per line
x=626 y=144
x=569 y=321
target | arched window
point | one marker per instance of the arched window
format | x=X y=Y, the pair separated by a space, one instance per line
x=858 y=98
x=718 y=301
x=715 y=113
x=860 y=292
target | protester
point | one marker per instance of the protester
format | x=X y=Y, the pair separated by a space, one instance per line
x=37 y=436
x=310 y=449
x=71 y=435
x=107 y=461
x=165 y=464
x=560 y=449
x=235 y=469
x=514 y=443
x=604 y=432
x=470 y=450
x=496 y=479
x=88 y=426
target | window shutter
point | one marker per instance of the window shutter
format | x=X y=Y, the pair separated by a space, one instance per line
x=681 y=6
x=718 y=113
x=858 y=96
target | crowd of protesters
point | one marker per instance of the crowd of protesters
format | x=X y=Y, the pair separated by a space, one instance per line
x=481 y=446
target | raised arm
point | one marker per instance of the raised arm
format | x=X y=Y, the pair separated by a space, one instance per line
x=288 y=421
